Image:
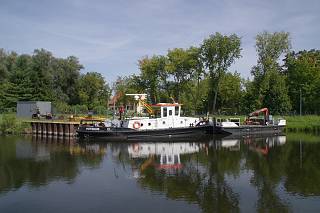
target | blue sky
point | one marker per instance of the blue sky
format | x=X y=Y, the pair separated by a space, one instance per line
x=110 y=36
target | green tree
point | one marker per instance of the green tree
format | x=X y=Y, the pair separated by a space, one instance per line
x=93 y=90
x=303 y=74
x=181 y=66
x=152 y=73
x=3 y=67
x=230 y=90
x=66 y=73
x=219 y=52
x=41 y=75
x=269 y=83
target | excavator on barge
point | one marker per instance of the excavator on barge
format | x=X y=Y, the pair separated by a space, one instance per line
x=253 y=124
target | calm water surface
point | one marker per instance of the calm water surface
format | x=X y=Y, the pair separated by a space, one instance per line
x=280 y=174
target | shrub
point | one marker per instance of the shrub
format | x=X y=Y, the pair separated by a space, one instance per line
x=10 y=125
x=100 y=110
x=79 y=109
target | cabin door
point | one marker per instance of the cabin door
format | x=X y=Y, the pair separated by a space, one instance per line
x=171 y=116
x=167 y=117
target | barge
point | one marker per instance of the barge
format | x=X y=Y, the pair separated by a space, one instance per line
x=253 y=125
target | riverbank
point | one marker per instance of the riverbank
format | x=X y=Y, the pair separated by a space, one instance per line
x=10 y=124
x=303 y=123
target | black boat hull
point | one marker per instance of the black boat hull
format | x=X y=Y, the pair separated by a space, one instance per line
x=114 y=133
x=249 y=130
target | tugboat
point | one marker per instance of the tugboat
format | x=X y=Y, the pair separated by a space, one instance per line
x=252 y=125
x=164 y=122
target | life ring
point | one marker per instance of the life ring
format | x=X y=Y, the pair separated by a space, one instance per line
x=136 y=125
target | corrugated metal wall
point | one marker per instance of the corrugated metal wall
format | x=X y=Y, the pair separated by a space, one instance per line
x=25 y=109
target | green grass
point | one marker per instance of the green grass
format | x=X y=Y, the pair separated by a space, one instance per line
x=306 y=122
x=9 y=124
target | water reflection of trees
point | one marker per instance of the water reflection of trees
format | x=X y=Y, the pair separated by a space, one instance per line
x=41 y=161
x=201 y=180
x=294 y=166
x=303 y=169
x=276 y=168
x=267 y=167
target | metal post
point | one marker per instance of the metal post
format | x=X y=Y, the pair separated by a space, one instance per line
x=300 y=154
x=114 y=108
x=300 y=102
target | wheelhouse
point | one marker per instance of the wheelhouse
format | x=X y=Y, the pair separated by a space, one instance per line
x=164 y=110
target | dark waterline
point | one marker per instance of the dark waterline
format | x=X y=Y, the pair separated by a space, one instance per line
x=277 y=173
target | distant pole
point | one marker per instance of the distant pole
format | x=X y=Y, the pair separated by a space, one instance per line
x=300 y=154
x=114 y=108
x=300 y=102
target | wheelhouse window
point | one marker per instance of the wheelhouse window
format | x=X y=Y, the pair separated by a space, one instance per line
x=176 y=110
x=165 y=112
x=170 y=112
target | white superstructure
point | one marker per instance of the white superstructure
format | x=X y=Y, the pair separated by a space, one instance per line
x=167 y=115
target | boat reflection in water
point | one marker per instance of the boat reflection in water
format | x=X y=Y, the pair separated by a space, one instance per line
x=167 y=156
x=163 y=156
x=259 y=144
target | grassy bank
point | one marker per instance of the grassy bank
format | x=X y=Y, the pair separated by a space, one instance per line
x=9 y=124
x=304 y=123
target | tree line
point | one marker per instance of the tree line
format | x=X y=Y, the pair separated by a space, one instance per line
x=199 y=77
x=43 y=77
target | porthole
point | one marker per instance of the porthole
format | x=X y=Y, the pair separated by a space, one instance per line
x=141 y=124
x=149 y=124
x=163 y=122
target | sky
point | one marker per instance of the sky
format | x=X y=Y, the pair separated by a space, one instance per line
x=111 y=36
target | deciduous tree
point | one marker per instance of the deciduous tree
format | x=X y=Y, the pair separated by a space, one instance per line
x=218 y=53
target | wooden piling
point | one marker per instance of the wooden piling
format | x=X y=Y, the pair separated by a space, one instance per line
x=55 y=129
x=60 y=129
x=39 y=127
x=44 y=129
x=34 y=128
x=67 y=130
x=49 y=129
x=72 y=130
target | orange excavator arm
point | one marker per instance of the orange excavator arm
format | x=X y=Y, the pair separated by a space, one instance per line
x=265 y=111
x=257 y=112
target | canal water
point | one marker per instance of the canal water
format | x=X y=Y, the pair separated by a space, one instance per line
x=275 y=173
